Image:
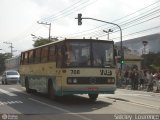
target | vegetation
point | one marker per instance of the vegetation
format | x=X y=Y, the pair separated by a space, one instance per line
x=41 y=41
x=2 y=59
x=151 y=61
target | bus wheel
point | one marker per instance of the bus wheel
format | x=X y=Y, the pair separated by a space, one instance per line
x=51 y=93
x=93 y=97
x=28 y=90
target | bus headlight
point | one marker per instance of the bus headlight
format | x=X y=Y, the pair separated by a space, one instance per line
x=69 y=81
x=113 y=80
x=74 y=80
x=109 y=80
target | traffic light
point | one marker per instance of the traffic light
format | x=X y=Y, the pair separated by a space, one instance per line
x=122 y=59
x=79 y=19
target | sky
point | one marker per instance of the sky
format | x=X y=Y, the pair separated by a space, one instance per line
x=18 y=20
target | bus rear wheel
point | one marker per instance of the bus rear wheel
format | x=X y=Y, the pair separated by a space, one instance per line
x=51 y=92
x=93 y=97
x=28 y=90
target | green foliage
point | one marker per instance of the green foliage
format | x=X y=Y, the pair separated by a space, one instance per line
x=43 y=41
x=2 y=59
x=151 y=60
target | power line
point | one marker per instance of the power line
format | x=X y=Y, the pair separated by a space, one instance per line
x=69 y=11
x=133 y=21
x=43 y=19
x=139 y=31
x=136 y=24
x=119 y=19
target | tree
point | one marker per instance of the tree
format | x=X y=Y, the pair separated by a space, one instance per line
x=2 y=61
x=151 y=60
x=42 y=41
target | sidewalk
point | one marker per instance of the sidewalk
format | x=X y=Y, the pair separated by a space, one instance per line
x=129 y=87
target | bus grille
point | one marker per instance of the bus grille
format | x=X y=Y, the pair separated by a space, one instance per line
x=90 y=80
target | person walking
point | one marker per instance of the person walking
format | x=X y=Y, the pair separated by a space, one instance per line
x=134 y=79
x=141 y=79
x=150 y=81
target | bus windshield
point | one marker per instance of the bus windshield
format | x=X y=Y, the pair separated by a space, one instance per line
x=89 y=54
x=102 y=54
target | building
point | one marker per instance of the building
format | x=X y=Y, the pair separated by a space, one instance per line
x=132 y=61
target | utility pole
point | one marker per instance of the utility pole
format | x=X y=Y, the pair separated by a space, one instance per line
x=11 y=46
x=49 y=38
x=109 y=30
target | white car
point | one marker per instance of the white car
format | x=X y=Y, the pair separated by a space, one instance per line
x=10 y=76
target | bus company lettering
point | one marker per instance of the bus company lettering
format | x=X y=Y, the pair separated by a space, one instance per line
x=75 y=72
x=105 y=72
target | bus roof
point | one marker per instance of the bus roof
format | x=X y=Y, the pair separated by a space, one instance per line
x=67 y=40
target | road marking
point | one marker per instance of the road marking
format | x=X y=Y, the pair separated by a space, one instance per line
x=130 y=94
x=10 y=102
x=15 y=89
x=60 y=109
x=8 y=93
x=145 y=105
x=134 y=103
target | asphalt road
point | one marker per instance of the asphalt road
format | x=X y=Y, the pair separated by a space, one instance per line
x=16 y=104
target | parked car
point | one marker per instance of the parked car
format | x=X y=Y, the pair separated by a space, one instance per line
x=10 y=76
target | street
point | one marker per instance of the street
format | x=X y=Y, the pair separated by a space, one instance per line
x=17 y=104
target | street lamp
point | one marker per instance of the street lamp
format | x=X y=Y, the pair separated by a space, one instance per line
x=144 y=44
x=49 y=38
x=109 y=30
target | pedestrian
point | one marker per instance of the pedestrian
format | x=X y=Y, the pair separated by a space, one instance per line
x=141 y=79
x=126 y=77
x=134 y=79
x=156 y=77
x=150 y=81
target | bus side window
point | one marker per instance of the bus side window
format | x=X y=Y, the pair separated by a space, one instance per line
x=52 y=53
x=26 y=58
x=59 y=57
x=31 y=56
x=22 y=59
x=37 y=55
x=44 y=55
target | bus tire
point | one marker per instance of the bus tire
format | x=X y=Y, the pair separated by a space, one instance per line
x=93 y=97
x=51 y=92
x=2 y=82
x=28 y=90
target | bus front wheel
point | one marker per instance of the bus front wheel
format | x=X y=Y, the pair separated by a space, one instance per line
x=93 y=97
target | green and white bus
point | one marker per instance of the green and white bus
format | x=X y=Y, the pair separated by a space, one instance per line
x=70 y=66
